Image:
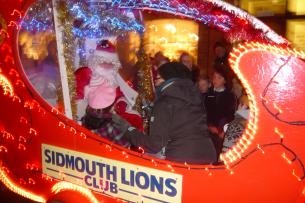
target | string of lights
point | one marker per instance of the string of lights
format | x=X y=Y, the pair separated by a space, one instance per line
x=14 y=88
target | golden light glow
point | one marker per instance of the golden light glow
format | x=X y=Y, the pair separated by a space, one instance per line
x=296 y=6
x=6 y=86
x=63 y=186
x=264 y=7
x=295 y=175
x=16 y=189
x=171 y=38
x=286 y=158
x=35 y=46
x=248 y=136
x=295 y=32
x=14 y=24
x=16 y=98
x=276 y=130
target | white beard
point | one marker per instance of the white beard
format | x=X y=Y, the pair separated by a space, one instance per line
x=104 y=76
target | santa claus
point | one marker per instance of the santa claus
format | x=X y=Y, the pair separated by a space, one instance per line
x=101 y=91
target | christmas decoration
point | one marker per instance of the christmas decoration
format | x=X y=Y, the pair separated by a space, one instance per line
x=66 y=20
x=273 y=139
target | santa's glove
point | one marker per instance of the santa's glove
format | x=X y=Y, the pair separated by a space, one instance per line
x=120 y=123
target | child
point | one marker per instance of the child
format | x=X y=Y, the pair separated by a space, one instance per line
x=220 y=106
x=203 y=85
x=235 y=128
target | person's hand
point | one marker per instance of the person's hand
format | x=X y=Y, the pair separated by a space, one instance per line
x=221 y=135
x=213 y=129
x=120 y=123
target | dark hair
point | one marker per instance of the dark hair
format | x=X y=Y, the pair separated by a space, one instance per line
x=185 y=54
x=203 y=77
x=221 y=72
x=225 y=72
x=219 y=44
x=174 y=70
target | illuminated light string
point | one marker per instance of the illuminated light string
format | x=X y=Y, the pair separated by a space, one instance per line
x=276 y=130
x=286 y=158
x=13 y=72
x=38 y=18
x=235 y=151
x=7 y=135
x=32 y=167
x=54 y=110
x=20 y=83
x=276 y=115
x=95 y=26
x=3 y=148
x=15 y=11
x=21 y=147
x=248 y=135
x=35 y=25
x=4 y=32
x=47 y=178
x=245 y=141
x=258 y=147
x=6 y=86
x=224 y=23
x=294 y=174
x=14 y=24
x=63 y=186
x=17 y=189
x=6 y=47
x=23 y=120
x=22 y=139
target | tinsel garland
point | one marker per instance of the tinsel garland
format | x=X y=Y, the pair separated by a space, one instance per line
x=145 y=86
x=66 y=21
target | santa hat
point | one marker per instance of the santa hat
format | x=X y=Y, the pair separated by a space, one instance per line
x=101 y=96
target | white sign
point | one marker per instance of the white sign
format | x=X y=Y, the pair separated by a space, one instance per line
x=119 y=179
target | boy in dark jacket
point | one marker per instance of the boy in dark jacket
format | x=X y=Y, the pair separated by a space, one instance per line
x=220 y=104
x=178 y=122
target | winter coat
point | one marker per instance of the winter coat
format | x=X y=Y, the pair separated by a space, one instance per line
x=220 y=107
x=178 y=123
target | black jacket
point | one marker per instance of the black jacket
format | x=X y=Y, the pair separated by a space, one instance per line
x=178 y=123
x=220 y=107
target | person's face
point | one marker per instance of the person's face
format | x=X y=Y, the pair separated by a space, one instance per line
x=158 y=58
x=159 y=80
x=237 y=89
x=163 y=61
x=187 y=61
x=220 y=51
x=218 y=80
x=203 y=85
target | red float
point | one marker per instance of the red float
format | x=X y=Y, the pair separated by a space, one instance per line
x=46 y=156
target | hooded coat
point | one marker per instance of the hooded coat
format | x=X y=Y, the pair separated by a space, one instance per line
x=178 y=123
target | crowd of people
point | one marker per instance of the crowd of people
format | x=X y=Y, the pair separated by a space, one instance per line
x=194 y=118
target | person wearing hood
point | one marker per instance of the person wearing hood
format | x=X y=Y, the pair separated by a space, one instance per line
x=178 y=122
